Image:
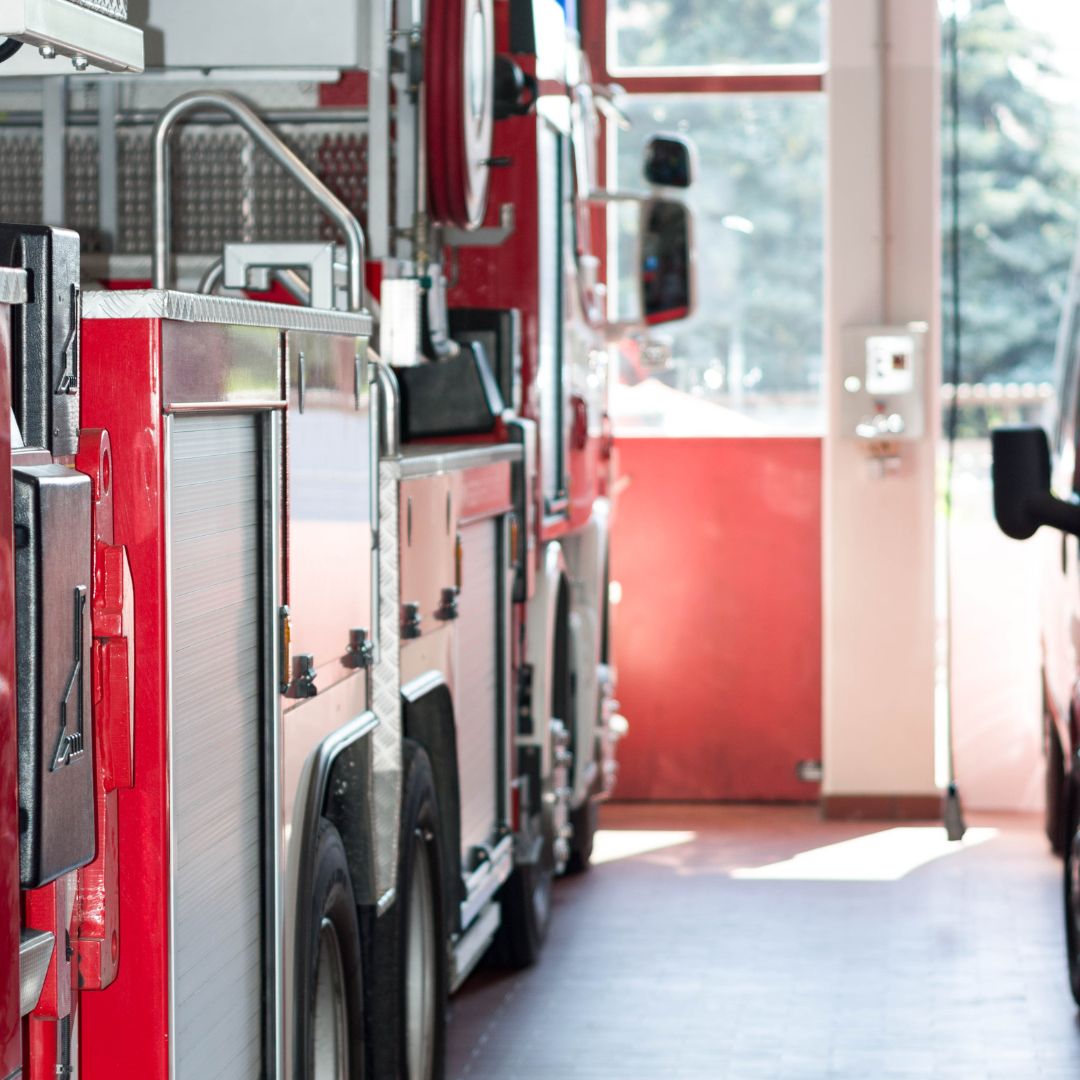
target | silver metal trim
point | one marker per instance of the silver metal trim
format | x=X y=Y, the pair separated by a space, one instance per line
x=418 y=461
x=221 y=310
x=484 y=882
x=272 y=464
x=224 y=406
x=13 y=288
x=167 y=498
x=389 y=411
x=416 y=688
x=127 y=118
x=35 y=953
x=470 y=947
x=386 y=901
x=273 y=144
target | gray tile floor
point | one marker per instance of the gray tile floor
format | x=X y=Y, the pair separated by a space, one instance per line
x=667 y=963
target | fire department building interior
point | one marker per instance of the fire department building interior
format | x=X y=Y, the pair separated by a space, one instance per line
x=539 y=538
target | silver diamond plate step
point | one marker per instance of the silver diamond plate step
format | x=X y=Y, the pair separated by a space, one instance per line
x=115 y=9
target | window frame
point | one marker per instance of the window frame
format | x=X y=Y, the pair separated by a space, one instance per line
x=773 y=79
x=722 y=79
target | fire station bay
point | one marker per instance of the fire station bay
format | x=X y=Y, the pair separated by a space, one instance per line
x=539 y=540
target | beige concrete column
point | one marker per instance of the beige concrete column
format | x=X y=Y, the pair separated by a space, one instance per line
x=883 y=266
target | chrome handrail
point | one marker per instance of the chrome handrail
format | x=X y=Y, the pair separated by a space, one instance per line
x=275 y=146
x=389 y=411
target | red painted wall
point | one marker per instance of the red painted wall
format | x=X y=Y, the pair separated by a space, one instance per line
x=717 y=637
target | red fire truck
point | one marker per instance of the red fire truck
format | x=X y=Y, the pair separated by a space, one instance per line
x=305 y=675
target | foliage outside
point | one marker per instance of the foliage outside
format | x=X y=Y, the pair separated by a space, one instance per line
x=1019 y=140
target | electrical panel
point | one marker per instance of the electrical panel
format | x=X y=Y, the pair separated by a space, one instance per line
x=883 y=379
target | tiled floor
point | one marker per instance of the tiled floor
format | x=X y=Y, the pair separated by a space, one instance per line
x=680 y=961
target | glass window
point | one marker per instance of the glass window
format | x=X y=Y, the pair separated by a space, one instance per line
x=710 y=35
x=1017 y=130
x=749 y=360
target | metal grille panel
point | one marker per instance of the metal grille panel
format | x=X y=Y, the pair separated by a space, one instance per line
x=218 y=977
x=225 y=188
x=115 y=9
x=476 y=683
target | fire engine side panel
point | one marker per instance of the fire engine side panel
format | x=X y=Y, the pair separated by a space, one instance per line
x=476 y=697
x=216 y=745
x=121 y=392
x=9 y=835
x=462 y=502
x=330 y=528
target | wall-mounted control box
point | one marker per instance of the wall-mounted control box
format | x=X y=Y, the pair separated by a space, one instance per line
x=883 y=376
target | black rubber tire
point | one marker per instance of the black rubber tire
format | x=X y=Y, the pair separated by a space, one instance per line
x=1072 y=892
x=1056 y=810
x=332 y=898
x=584 y=820
x=387 y=1000
x=526 y=899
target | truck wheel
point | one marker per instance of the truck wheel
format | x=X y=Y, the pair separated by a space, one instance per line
x=1072 y=892
x=410 y=978
x=526 y=911
x=584 y=821
x=334 y=1046
x=1056 y=824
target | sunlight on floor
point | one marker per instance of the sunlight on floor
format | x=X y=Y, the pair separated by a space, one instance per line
x=882 y=856
x=610 y=845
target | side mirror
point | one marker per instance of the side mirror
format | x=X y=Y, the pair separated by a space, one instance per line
x=1022 y=498
x=667 y=285
x=669 y=161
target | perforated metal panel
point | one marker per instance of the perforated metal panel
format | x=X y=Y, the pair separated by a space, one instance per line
x=216 y=748
x=226 y=190
x=476 y=683
x=115 y=9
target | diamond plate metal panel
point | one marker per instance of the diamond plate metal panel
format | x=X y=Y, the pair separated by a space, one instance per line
x=226 y=190
x=115 y=9
x=386 y=685
x=223 y=310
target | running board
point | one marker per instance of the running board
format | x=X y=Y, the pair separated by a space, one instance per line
x=471 y=946
x=487 y=879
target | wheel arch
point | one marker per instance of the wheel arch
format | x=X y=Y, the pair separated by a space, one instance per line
x=552 y=583
x=338 y=772
x=588 y=559
x=428 y=720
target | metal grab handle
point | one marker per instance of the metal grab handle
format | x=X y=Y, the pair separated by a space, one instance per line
x=272 y=143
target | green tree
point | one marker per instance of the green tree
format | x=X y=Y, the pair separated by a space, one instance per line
x=1019 y=188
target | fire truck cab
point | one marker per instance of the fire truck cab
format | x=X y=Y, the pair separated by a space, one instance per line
x=305 y=681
